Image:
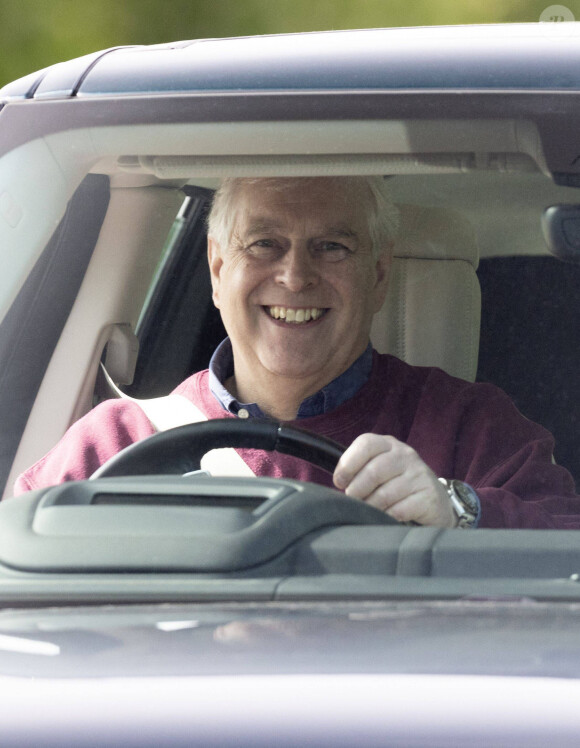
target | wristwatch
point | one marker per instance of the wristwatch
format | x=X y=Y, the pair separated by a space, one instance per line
x=464 y=501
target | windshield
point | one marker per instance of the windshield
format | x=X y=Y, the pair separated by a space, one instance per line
x=377 y=303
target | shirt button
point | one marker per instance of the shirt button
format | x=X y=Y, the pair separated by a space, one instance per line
x=243 y=413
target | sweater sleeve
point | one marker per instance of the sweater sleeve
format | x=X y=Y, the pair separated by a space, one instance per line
x=91 y=441
x=528 y=490
x=509 y=462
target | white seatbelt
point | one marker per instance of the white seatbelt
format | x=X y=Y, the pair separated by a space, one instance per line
x=176 y=410
x=170 y=411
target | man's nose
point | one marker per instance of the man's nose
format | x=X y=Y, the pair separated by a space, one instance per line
x=297 y=269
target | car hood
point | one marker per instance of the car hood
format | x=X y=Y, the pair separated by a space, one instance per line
x=463 y=637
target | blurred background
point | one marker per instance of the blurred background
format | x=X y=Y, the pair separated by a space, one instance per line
x=37 y=33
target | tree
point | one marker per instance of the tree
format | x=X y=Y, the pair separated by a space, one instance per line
x=38 y=33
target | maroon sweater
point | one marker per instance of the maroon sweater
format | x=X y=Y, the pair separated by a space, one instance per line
x=461 y=430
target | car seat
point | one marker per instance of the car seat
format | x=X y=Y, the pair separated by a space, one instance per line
x=431 y=315
x=527 y=346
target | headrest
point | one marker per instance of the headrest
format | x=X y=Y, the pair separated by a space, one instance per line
x=428 y=233
x=431 y=314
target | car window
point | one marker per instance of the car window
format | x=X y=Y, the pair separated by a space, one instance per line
x=28 y=333
x=178 y=327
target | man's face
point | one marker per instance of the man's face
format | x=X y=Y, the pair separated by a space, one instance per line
x=297 y=286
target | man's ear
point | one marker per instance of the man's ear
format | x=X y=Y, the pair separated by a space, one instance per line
x=215 y=261
x=382 y=271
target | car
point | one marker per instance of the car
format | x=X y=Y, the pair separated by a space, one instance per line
x=154 y=605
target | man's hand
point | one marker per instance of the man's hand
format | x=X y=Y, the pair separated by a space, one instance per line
x=391 y=476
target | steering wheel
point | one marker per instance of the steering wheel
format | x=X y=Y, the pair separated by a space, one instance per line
x=179 y=450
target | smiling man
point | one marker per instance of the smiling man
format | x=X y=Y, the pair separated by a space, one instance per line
x=297 y=285
x=298 y=269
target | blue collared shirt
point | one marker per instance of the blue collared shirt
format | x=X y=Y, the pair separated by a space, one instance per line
x=341 y=389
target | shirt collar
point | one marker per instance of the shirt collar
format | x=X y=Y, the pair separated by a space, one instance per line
x=335 y=393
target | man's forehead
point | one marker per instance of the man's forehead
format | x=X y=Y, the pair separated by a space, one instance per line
x=325 y=203
x=299 y=190
x=254 y=224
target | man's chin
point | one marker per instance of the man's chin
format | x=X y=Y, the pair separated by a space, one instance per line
x=296 y=368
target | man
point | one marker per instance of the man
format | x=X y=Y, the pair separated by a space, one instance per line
x=298 y=268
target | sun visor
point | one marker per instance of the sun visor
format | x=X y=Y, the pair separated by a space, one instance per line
x=186 y=167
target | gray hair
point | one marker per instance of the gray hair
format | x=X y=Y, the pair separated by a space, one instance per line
x=382 y=214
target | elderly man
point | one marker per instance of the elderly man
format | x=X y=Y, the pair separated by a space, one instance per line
x=298 y=268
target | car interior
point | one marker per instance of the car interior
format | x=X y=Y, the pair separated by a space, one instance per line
x=120 y=243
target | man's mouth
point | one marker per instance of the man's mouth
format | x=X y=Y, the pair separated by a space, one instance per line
x=295 y=316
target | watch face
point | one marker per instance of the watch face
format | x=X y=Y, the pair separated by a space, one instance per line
x=466 y=496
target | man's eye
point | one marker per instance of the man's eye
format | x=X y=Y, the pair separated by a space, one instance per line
x=262 y=247
x=332 y=251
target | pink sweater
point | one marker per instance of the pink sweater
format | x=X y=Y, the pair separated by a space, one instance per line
x=461 y=430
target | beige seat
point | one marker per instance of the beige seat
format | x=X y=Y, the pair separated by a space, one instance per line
x=431 y=316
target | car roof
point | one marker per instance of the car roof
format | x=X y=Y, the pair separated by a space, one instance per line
x=492 y=57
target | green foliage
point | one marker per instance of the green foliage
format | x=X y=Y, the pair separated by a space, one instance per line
x=38 y=33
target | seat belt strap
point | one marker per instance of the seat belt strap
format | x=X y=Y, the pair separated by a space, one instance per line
x=170 y=411
x=176 y=410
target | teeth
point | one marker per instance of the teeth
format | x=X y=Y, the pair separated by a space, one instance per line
x=297 y=316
